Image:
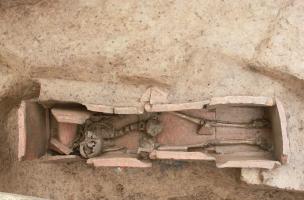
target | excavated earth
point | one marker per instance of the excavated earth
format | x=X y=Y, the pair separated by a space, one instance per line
x=193 y=49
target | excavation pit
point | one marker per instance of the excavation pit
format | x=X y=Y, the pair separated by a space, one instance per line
x=234 y=132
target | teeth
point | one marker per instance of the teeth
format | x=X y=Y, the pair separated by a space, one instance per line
x=91 y=144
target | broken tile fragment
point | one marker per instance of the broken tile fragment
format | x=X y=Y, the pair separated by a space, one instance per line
x=60 y=159
x=118 y=161
x=59 y=147
x=145 y=98
x=158 y=96
x=279 y=125
x=180 y=155
x=67 y=133
x=33 y=136
x=242 y=100
x=175 y=107
x=100 y=108
x=155 y=95
x=262 y=164
x=75 y=116
x=22 y=131
x=128 y=110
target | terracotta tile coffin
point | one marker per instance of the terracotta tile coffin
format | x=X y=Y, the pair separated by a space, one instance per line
x=234 y=131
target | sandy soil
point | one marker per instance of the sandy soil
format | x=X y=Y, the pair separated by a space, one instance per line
x=195 y=50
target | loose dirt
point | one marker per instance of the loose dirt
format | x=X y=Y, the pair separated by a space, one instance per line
x=194 y=49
